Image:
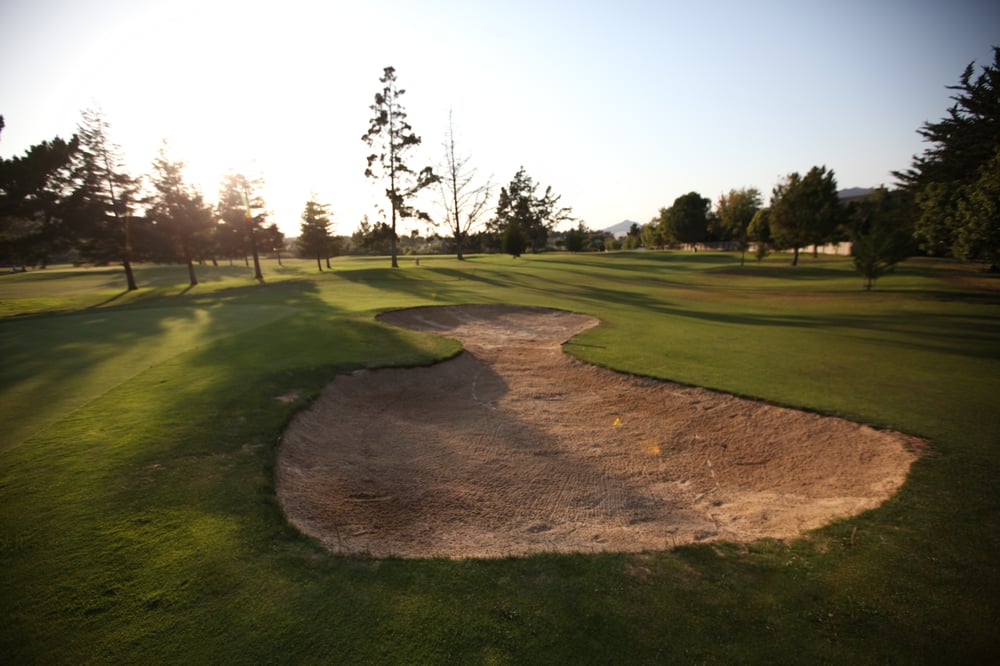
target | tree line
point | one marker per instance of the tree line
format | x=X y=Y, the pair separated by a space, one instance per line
x=74 y=198
x=947 y=203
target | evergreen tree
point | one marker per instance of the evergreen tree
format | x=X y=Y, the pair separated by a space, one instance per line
x=179 y=211
x=314 y=236
x=881 y=231
x=949 y=180
x=32 y=191
x=238 y=199
x=392 y=138
x=99 y=209
x=518 y=205
x=977 y=233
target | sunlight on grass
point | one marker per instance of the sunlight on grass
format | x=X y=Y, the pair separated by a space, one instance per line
x=140 y=519
x=54 y=370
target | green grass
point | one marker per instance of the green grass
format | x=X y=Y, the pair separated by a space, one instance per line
x=139 y=522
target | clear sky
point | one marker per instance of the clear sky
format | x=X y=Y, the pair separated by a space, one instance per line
x=620 y=106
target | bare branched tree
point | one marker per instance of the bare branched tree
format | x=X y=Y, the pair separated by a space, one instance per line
x=463 y=200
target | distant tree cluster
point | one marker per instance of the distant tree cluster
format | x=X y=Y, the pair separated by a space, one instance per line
x=949 y=202
x=804 y=211
x=75 y=200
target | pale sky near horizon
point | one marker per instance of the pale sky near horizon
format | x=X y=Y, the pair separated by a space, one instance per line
x=620 y=106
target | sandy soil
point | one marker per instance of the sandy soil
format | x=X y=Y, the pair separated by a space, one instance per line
x=513 y=447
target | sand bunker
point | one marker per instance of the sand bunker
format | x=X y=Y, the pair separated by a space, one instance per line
x=513 y=447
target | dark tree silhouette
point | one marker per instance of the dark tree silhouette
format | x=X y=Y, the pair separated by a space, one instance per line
x=32 y=191
x=392 y=139
x=314 y=236
x=238 y=199
x=99 y=207
x=519 y=206
x=178 y=210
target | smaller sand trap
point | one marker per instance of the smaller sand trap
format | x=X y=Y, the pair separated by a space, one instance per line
x=514 y=448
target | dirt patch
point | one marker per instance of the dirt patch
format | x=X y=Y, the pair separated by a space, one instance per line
x=513 y=447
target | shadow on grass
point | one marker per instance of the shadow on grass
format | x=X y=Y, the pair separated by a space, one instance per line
x=71 y=358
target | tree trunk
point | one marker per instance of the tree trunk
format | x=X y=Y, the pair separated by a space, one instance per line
x=257 y=275
x=127 y=259
x=328 y=263
x=192 y=278
x=129 y=276
x=392 y=241
x=319 y=266
x=795 y=256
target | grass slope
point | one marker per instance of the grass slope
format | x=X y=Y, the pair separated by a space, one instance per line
x=139 y=521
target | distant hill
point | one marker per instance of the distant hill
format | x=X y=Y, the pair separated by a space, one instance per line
x=854 y=193
x=620 y=229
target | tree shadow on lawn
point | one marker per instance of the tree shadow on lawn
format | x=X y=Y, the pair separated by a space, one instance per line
x=899 y=329
x=937 y=332
x=57 y=362
x=434 y=282
x=475 y=274
x=641 y=261
x=801 y=273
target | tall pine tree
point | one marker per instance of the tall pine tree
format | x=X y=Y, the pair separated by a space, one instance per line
x=99 y=208
x=392 y=138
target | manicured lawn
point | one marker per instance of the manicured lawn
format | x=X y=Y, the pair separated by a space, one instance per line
x=139 y=522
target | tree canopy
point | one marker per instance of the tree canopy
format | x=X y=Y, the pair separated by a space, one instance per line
x=178 y=211
x=736 y=210
x=238 y=199
x=32 y=187
x=954 y=179
x=805 y=210
x=880 y=227
x=532 y=216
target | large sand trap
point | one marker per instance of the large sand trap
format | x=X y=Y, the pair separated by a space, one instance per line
x=513 y=447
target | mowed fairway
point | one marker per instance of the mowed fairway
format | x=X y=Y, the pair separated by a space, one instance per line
x=138 y=519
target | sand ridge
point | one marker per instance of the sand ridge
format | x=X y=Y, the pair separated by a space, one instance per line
x=514 y=447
